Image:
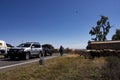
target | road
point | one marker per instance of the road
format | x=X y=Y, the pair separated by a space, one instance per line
x=7 y=63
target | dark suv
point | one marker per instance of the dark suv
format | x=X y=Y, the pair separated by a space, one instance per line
x=48 y=48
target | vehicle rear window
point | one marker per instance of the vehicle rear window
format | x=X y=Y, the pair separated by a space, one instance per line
x=36 y=45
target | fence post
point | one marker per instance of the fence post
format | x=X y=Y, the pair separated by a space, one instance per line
x=41 y=61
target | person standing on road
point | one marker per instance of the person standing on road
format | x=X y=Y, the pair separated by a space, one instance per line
x=61 y=50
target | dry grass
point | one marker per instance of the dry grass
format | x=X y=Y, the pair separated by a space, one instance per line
x=71 y=67
x=73 y=55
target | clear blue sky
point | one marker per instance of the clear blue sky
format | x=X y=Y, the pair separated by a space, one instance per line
x=58 y=22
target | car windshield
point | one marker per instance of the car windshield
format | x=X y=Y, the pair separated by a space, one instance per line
x=8 y=45
x=24 y=45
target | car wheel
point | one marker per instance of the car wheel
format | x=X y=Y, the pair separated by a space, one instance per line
x=27 y=56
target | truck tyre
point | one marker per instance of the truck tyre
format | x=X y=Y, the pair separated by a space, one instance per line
x=27 y=56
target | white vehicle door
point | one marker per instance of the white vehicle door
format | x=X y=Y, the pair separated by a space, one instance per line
x=33 y=49
x=36 y=49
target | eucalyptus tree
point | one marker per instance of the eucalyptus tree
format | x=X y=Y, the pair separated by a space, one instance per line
x=101 y=30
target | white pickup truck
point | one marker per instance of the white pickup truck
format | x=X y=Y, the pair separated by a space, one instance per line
x=4 y=48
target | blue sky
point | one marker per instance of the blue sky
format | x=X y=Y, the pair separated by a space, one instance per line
x=58 y=22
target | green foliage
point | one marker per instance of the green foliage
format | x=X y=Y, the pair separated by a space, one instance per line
x=101 y=30
x=116 y=36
